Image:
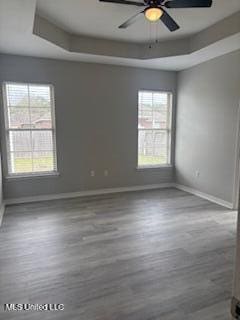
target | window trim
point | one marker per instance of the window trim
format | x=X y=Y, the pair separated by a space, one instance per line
x=36 y=174
x=158 y=166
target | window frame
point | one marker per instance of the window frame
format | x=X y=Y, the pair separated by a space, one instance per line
x=171 y=131
x=7 y=130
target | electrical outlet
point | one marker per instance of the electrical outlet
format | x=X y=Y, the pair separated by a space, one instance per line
x=197 y=173
x=105 y=173
x=92 y=173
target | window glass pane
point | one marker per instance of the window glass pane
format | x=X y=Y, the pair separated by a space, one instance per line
x=160 y=118
x=160 y=111
x=145 y=110
x=39 y=96
x=29 y=109
x=17 y=95
x=154 y=125
x=20 y=162
x=41 y=118
x=145 y=118
x=161 y=145
x=153 y=111
x=145 y=98
x=160 y=99
x=42 y=141
x=19 y=118
x=43 y=161
x=20 y=141
x=152 y=147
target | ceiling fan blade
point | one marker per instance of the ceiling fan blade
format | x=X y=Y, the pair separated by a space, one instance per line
x=188 y=4
x=133 y=3
x=168 y=21
x=130 y=21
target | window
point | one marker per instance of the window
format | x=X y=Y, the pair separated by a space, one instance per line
x=30 y=129
x=154 y=128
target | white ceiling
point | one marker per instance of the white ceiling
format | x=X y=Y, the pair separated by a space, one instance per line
x=95 y=19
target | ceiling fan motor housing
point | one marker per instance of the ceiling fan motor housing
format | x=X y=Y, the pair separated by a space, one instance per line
x=153 y=3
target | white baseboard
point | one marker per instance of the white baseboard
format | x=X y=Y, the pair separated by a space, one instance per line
x=206 y=196
x=87 y=193
x=2 y=210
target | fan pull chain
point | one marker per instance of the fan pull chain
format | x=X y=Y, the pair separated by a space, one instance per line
x=156 y=32
x=150 y=36
x=153 y=33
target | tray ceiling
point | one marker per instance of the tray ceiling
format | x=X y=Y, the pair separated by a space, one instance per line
x=101 y=20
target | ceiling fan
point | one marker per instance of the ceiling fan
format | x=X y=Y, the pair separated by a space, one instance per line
x=155 y=11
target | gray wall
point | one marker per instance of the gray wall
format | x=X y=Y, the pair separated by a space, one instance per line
x=96 y=117
x=236 y=282
x=207 y=120
x=1 y=190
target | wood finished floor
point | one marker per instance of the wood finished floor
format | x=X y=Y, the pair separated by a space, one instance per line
x=153 y=255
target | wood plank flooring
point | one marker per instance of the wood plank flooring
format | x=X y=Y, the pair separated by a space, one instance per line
x=149 y=255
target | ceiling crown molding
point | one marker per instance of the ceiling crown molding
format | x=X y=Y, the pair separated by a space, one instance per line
x=219 y=32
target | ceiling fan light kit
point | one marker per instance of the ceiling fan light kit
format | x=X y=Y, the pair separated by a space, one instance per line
x=155 y=11
x=153 y=14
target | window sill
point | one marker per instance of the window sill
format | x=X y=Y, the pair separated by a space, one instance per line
x=154 y=167
x=32 y=176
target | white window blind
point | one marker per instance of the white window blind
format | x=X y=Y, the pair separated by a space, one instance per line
x=30 y=129
x=154 y=128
